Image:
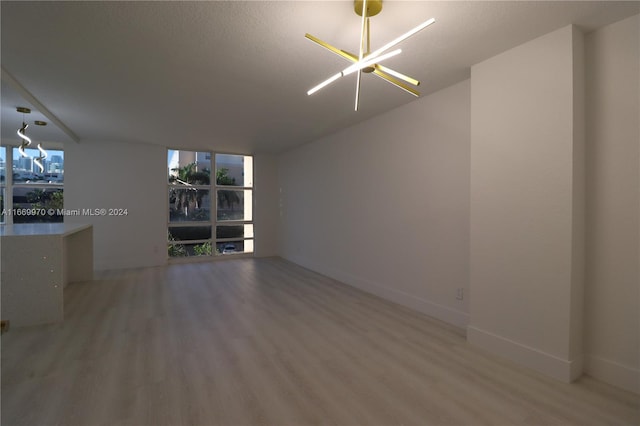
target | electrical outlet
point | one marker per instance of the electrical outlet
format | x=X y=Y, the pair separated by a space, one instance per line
x=460 y=293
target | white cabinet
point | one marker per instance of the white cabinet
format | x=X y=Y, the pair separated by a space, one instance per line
x=38 y=261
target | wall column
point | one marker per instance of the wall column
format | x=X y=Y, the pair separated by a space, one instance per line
x=527 y=204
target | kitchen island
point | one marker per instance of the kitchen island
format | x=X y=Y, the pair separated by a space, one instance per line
x=37 y=261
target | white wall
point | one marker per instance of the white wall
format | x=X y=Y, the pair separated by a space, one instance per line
x=526 y=203
x=120 y=175
x=384 y=205
x=612 y=287
x=133 y=176
x=266 y=199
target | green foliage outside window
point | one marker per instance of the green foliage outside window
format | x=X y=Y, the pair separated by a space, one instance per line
x=42 y=200
x=223 y=178
x=176 y=250
x=203 y=249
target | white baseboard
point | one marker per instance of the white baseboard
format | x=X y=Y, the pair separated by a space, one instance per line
x=443 y=313
x=614 y=373
x=128 y=263
x=550 y=365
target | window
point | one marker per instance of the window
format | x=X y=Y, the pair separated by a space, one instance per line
x=33 y=191
x=234 y=203
x=3 y=182
x=189 y=178
x=193 y=196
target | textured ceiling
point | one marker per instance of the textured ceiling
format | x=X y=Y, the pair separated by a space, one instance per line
x=233 y=75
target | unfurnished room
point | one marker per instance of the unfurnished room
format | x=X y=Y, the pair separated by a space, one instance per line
x=320 y=213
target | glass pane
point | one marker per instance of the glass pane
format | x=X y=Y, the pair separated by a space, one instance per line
x=234 y=231
x=2 y=192
x=234 y=170
x=242 y=246
x=35 y=166
x=32 y=204
x=3 y=159
x=189 y=233
x=189 y=204
x=185 y=250
x=189 y=167
x=231 y=205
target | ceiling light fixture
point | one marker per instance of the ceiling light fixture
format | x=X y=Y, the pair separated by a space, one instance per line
x=367 y=61
x=26 y=141
x=43 y=154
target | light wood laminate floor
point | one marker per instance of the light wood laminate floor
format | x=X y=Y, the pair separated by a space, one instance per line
x=263 y=341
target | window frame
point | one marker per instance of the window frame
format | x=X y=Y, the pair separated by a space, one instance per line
x=213 y=221
x=7 y=196
x=7 y=187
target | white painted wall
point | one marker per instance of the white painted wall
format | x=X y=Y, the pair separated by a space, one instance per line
x=133 y=176
x=120 y=175
x=266 y=208
x=612 y=287
x=525 y=201
x=384 y=205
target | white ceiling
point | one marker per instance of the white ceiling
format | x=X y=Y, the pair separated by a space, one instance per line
x=233 y=75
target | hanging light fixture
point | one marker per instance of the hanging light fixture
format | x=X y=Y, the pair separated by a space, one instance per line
x=367 y=61
x=26 y=141
x=43 y=154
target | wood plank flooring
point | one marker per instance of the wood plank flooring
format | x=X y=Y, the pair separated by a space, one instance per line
x=265 y=342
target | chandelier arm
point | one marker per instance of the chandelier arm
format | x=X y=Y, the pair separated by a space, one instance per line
x=399 y=84
x=346 y=55
x=324 y=83
x=349 y=55
x=353 y=68
x=397 y=74
x=369 y=62
x=358 y=82
x=361 y=55
x=368 y=37
x=401 y=38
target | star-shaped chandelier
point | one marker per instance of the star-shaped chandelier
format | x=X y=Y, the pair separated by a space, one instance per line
x=367 y=61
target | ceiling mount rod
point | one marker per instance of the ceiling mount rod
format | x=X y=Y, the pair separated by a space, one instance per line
x=38 y=105
x=373 y=7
